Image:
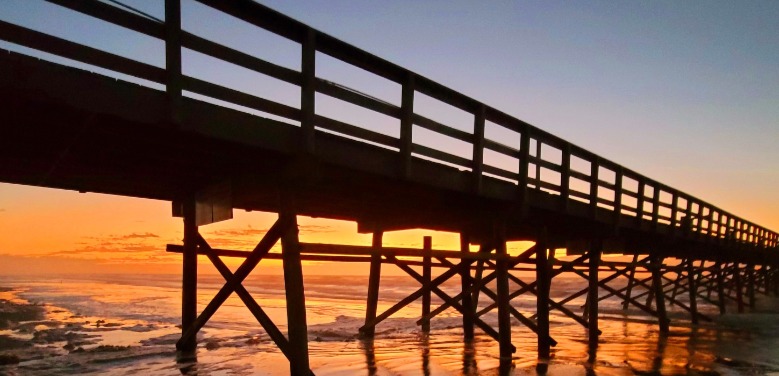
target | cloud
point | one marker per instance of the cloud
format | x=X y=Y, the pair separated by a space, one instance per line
x=132 y=245
x=145 y=235
x=2 y=210
x=316 y=229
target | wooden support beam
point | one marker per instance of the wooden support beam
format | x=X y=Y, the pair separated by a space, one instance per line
x=720 y=286
x=297 y=327
x=374 y=280
x=662 y=317
x=631 y=278
x=503 y=300
x=592 y=293
x=543 y=283
x=189 y=274
x=465 y=284
x=426 y=276
x=751 y=284
x=251 y=261
x=273 y=331
x=484 y=248
x=445 y=297
x=693 y=291
x=739 y=287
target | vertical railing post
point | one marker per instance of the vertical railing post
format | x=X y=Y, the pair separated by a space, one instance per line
x=565 y=177
x=710 y=225
x=406 y=125
x=640 y=201
x=655 y=206
x=674 y=211
x=594 y=185
x=173 y=80
x=538 y=163
x=478 y=148
x=687 y=220
x=426 y=277
x=618 y=195
x=524 y=168
x=308 y=91
x=374 y=281
x=699 y=222
x=189 y=271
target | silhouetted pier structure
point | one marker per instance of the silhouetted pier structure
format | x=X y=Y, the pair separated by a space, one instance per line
x=68 y=128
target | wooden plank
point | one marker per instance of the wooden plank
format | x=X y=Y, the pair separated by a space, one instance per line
x=357 y=98
x=354 y=131
x=240 y=98
x=443 y=129
x=441 y=155
x=115 y=16
x=239 y=58
x=67 y=49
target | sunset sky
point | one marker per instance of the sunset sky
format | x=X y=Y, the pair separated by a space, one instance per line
x=685 y=92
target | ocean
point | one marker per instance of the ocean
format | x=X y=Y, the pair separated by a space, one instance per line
x=127 y=324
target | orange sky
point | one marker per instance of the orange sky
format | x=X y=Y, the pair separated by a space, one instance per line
x=663 y=89
x=56 y=231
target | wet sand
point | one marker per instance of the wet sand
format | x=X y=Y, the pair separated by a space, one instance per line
x=74 y=327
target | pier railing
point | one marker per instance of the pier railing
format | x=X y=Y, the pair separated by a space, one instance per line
x=563 y=169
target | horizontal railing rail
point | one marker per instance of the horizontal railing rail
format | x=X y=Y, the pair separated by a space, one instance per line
x=544 y=161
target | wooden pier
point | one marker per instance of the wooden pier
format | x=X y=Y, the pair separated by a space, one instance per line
x=68 y=128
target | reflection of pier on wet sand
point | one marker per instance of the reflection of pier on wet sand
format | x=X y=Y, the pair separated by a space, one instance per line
x=71 y=129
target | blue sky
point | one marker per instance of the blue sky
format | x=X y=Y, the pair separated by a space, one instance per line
x=685 y=92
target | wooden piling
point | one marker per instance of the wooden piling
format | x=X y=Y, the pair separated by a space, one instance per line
x=592 y=293
x=465 y=284
x=720 y=282
x=693 y=291
x=189 y=273
x=631 y=279
x=739 y=287
x=751 y=285
x=542 y=298
x=297 y=328
x=503 y=300
x=657 y=286
x=374 y=280
x=426 y=277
